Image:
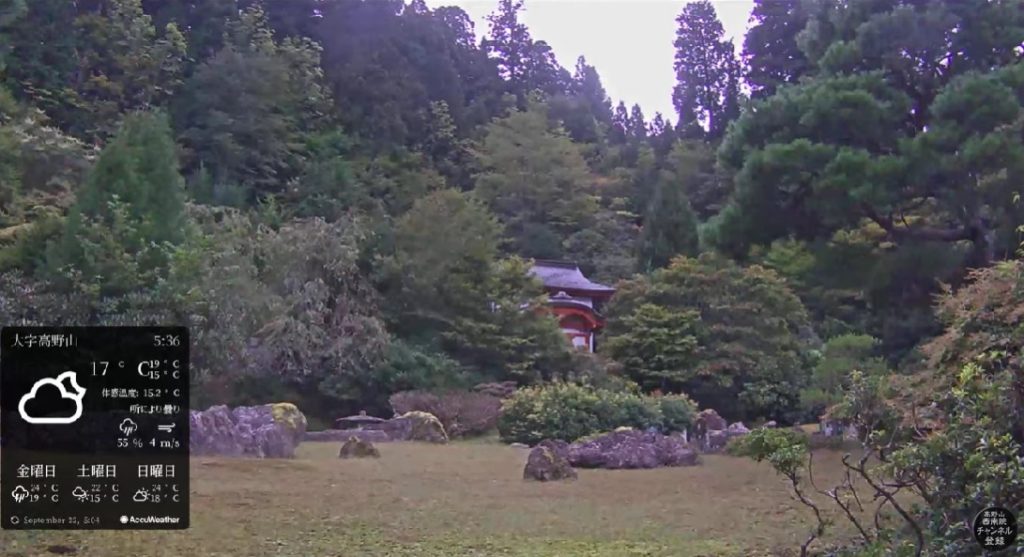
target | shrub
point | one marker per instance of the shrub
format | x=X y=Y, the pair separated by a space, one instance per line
x=677 y=412
x=570 y=412
x=461 y=413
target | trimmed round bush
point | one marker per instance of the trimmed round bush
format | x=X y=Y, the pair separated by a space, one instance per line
x=569 y=412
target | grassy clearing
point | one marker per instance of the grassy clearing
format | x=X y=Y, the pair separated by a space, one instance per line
x=465 y=499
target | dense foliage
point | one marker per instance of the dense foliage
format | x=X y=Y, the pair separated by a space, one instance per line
x=341 y=199
x=569 y=412
x=726 y=335
x=949 y=434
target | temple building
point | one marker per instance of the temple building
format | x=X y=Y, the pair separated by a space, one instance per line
x=574 y=299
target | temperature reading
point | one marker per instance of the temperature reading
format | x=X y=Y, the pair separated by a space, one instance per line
x=100 y=368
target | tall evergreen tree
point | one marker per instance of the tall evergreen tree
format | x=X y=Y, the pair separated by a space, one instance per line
x=526 y=65
x=131 y=206
x=770 y=48
x=586 y=84
x=637 y=125
x=707 y=72
x=662 y=135
x=620 y=124
x=509 y=42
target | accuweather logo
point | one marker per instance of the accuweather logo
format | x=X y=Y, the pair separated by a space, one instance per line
x=73 y=392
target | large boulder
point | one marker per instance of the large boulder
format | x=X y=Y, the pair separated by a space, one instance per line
x=715 y=441
x=412 y=426
x=629 y=449
x=357 y=448
x=557 y=446
x=214 y=432
x=709 y=420
x=267 y=431
x=546 y=465
x=737 y=429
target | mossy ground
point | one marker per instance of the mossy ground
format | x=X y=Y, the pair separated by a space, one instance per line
x=460 y=500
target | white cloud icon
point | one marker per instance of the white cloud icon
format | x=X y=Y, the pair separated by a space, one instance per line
x=76 y=395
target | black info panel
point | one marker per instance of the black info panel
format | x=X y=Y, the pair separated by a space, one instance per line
x=94 y=426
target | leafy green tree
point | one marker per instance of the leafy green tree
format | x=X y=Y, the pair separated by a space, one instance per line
x=122 y=64
x=693 y=165
x=202 y=21
x=444 y=238
x=605 y=250
x=39 y=169
x=670 y=227
x=129 y=210
x=842 y=355
x=247 y=113
x=534 y=178
x=707 y=72
x=658 y=347
x=326 y=333
x=503 y=329
x=750 y=360
x=446 y=285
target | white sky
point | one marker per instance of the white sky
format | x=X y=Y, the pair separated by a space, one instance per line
x=628 y=41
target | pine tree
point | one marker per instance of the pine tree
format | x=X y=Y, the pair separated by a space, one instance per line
x=586 y=84
x=620 y=124
x=662 y=135
x=637 y=125
x=707 y=72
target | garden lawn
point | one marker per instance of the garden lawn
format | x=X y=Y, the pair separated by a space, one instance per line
x=464 y=499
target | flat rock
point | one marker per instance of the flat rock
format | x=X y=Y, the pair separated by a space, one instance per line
x=632 y=449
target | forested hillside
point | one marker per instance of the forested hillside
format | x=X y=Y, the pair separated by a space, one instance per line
x=341 y=197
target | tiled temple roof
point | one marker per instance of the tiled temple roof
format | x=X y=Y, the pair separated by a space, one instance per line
x=564 y=275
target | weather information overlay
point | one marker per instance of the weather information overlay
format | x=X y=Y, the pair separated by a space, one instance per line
x=94 y=428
